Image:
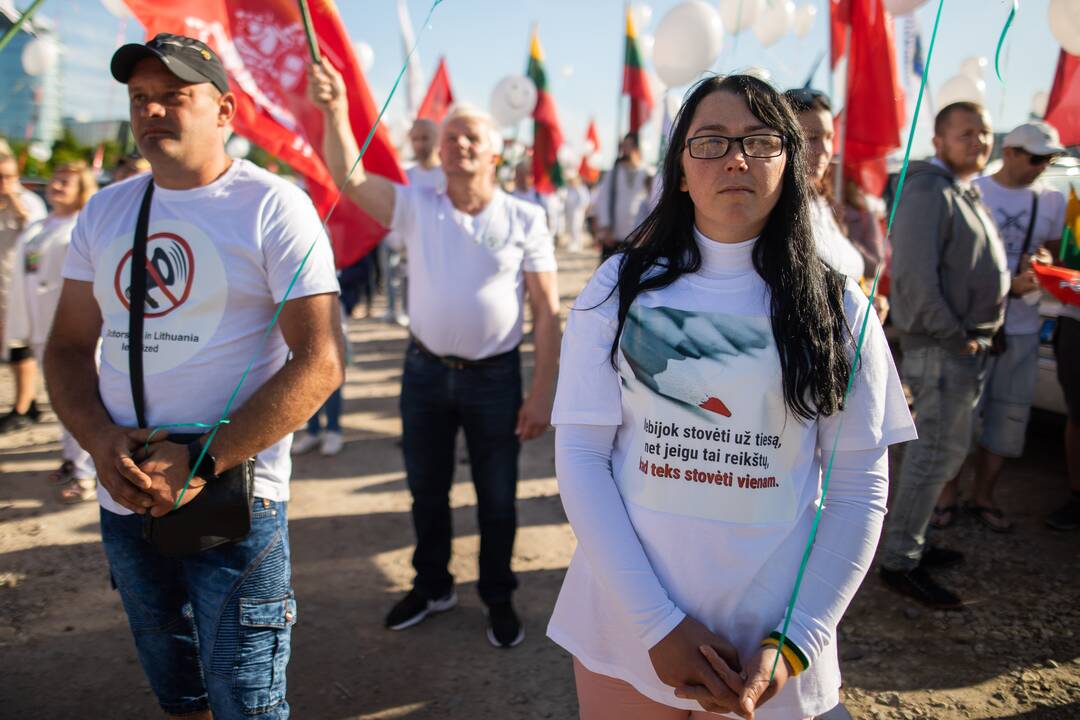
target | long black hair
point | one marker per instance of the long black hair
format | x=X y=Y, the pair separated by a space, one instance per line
x=807 y=299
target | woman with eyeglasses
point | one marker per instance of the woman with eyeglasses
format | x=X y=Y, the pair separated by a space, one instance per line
x=702 y=378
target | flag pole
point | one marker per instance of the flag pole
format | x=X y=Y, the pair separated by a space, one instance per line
x=309 y=30
x=838 y=188
x=619 y=97
x=19 y=23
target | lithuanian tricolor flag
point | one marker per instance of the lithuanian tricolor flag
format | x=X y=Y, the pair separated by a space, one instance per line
x=547 y=135
x=635 y=83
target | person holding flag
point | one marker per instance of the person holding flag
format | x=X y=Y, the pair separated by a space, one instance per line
x=702 y=390
x=474 y=254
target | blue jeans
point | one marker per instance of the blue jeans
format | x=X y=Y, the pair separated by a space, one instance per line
x=435 y=401
x=946 y=388
x=212 y=630
x=332 y=410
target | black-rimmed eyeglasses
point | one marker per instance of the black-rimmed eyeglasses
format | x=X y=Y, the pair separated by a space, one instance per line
x=714 y=147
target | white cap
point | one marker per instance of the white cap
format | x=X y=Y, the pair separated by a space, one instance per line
x=1036 y=138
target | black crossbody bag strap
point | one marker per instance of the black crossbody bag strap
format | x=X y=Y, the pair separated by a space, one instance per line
x=137 y=305
x=1030 y=230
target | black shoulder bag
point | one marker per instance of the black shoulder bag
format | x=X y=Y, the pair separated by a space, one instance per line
x=999 y=342
x=221 y=512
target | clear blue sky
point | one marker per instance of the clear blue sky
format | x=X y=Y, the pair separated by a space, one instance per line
x=483 y=40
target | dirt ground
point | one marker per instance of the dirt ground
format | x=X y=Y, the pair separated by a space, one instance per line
x=65 y=650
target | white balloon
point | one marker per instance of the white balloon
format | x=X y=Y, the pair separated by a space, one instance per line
x=1038 y=103
x=39 y=151
x=903 y=7
x=974 y=67
x=760 y=73
x=804 y=20
x=567 y=70
x=642 y=15
x=961 y=88
x=739 y=15
x=238 y=147
x=116 y=7
x=774 y=23
x=39 y=55
x=1065 y=24
x=365 y=55
x=688 y=42
x=513 y=100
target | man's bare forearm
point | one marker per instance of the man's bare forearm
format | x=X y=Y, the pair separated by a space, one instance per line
x=547 y=338
x=287 y=400
x=72 y=379
x=339 y=147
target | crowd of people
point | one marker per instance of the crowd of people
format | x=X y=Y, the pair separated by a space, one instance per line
x=697 y=392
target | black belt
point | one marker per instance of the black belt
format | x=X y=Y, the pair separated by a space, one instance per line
x=459 y=363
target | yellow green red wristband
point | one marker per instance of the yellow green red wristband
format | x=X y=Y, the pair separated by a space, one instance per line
x=791 y=652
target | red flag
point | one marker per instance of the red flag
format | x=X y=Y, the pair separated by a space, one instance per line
x=439 y=96
x=588 y=173
x=840 y=21
x=547 y=134
x=264 y=49
x=1063 y=107
x=875 y=97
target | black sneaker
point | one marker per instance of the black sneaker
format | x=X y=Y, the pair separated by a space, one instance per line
x=15 y=421
x=414 y=607
x=504 y=628
x=34 y=412
x=919 y=585
x=1066 y=517
x=939 y=557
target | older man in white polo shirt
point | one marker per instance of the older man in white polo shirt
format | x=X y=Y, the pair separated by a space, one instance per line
x=474 y=253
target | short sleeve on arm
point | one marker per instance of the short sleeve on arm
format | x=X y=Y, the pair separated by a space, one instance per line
x=77 y=263
x=292 y=228
x=589 y=392
x=406 y=207
x=539 y=245
x=876 y=413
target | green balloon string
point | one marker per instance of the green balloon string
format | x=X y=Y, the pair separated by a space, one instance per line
x=1001 y=40
x=224 y=420
x=858 y=351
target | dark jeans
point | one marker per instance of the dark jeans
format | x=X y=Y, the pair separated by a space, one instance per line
x=213 y=629
x=331 y=410
x=435 y=401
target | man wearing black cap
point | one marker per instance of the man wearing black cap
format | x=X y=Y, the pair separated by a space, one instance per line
x=223 y=241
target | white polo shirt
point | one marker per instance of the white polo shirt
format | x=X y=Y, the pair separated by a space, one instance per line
x=466 y=272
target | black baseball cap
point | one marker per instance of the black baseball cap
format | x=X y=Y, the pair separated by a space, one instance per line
x=186 y=58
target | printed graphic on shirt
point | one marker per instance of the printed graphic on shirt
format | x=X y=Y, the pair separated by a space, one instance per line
x=714 y=438
x=186 y=292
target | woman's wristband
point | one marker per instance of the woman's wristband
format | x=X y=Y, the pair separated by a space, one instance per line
x=796 y=658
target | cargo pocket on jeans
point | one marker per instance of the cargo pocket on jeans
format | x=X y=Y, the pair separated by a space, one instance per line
x=263 y=652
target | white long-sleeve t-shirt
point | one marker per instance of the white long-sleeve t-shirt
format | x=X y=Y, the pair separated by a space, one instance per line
x=692 y=489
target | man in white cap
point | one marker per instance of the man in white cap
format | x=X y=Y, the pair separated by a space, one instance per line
x=1028 y=215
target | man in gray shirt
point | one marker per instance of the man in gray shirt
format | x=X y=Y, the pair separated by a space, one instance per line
x=949 y=281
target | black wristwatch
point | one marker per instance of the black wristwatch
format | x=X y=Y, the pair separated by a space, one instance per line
x=205 y=469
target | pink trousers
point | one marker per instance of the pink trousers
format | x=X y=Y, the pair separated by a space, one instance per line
x=606 y=698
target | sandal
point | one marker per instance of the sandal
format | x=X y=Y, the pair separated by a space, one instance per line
x=993 y=518
x=78 y=490
x=944 y=516
x=63 y=474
